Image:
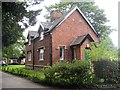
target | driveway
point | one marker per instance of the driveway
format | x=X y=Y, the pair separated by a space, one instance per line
x=12 y=81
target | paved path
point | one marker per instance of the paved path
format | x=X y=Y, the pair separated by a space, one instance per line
x=12 y=81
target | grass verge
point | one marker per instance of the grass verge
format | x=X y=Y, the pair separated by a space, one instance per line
x=19 y=70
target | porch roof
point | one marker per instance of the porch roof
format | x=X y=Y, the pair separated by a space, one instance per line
x=80 y=39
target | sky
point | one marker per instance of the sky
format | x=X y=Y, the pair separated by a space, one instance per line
x=109 y=6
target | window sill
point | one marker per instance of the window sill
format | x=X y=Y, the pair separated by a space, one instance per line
x=41 y=60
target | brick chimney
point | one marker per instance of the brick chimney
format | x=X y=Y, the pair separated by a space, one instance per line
x=55 y=15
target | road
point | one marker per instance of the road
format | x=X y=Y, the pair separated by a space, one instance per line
x=12 y=81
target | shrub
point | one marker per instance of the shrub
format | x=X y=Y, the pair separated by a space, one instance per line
x=119 y=72
x=79 y=73
x=36 y=76
x=106 y=70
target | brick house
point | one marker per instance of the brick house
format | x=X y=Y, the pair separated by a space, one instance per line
x=65 y=37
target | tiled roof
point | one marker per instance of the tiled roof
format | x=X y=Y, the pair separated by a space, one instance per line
x=64 y=16
x=49 y=26
x=33 y=34
x=56 y=22
x=80 y=39
x=46 y=24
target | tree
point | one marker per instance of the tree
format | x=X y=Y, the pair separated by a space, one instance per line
x=15 y=50
x=95 y=15
x=12 y=13
x=104 y=51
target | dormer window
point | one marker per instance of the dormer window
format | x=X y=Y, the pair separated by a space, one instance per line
x=42 y=36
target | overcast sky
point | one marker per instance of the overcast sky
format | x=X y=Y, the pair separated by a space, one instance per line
x=111 y=11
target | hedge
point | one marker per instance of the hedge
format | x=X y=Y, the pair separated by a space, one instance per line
x=36 y=76
x=79 y=74
x=107 y=70
x=64 y=74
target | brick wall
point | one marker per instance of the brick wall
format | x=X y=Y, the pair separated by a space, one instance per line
x=63 y=35
x=37 y=45
x=29 y=48
x=66 y=32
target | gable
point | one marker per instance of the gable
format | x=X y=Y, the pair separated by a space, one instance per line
x=81 y=14
x=59 y=21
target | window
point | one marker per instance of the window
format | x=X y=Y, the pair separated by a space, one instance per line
x=41 y=35
x=61 y=53
x=29 y=56
x=41 y=56
x=74 y=53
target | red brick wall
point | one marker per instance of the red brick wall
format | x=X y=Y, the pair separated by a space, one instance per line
x=29 y=48
x=38 y=44
x=64 y=34
x=46 y=44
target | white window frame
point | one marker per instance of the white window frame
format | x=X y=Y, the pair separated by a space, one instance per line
x=41 y=54
x=62 y=53
x=41 y=35
x=29 y=56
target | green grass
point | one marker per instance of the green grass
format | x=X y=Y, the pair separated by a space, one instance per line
x=16 y=66
x=35 y=76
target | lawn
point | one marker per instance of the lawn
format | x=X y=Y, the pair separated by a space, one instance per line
x=16 y=66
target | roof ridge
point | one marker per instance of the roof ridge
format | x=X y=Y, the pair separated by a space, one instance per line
x=63 y=17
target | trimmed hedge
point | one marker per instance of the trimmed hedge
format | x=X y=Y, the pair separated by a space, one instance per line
x=77 y=74
x=32 y=75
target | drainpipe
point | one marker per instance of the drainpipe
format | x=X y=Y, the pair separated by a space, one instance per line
x=50 y=49
x=33 y=53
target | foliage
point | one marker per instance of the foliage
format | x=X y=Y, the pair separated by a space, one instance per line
x=92 y=12
x=15 y=50
x=77 y=74
x=107 y=71
x=12 y=14
x=105 y=50
x=119 y=72
x=35 y=76
x=16 y=66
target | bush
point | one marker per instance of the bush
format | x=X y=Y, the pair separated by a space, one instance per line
x=36 y=76
x=107 y=71
x=119 y=72
x=79 y=74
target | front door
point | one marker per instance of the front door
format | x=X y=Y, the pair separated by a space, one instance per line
x=87 y=51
